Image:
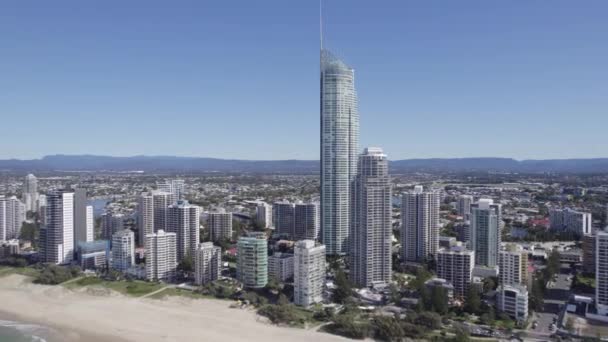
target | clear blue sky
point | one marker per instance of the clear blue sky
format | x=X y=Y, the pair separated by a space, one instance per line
x=239 y=79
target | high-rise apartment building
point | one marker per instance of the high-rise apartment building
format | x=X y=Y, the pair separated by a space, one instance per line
x=456 y=266
x=83 y=217
x=263 y=214
x=280 y=266
x=173 y=186
x=152 y=212
x=283 y=215
x=570 y=220
x=57 y=237
x=588 y=243
x=371 y=233
x=12 y=216
x=30 y=192
x=419 y=224
x=252 y=260
x=339 y=149
x=306 y=221
x=123 y=250
x=207 y=263
x=601 y=272
x=513 y=265
x=464 y=206
x=309 y=273
x=161 y=256
x=485 y=232
x=183 y=219
x=111 y=223
x=219 y=223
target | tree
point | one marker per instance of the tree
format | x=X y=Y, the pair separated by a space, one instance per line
x=489 y=284
x=439 y=300
x=536 y=296
x=187 y=264
x=343 y=287
x=461 y=335
x=387 y=329
x=569 y=325
x=473 y=302
x=431 y=320
x=29 y=232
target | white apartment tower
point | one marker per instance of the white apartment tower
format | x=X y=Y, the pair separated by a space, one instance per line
x=219 y=224
x=513 y=265
x=12 y=216
x=570 y=220
x=485 y=232
x=464 y=206
x=371 y=232
x=83 y=217
x=419 y=224
x=339 y=149
x=123 y=250
x=152 y=212
x=601 y=272
x=456 y=266
x=207 y=263
x=161 y=256
x=30 y=192
x=57 y=238
x=263 y=214
x=183 y=219
x=173 y=186
x=309 y=273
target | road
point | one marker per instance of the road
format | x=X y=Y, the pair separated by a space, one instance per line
x=556 y=295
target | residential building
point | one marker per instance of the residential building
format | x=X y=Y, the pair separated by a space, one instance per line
x=309 y=273
x=283 y=215
x=30 y=192
x=219 y=223
x=183 y=219
x=513 y=265
x=207 y=263
x=280 y=266
x=252 y=260
x=371 y=232
x=152 y=212
x=93 y=255
x=263 y=214
x=441 y=283
x=161 y=256
x=173 y=186
x=463 y=206
x=485 y=232
x=588 y=243
x=455 y=265
x=419 y=224
x=83 y=217
x=123 y=250
x=57 y=237
x=513 y=300
x=12 y=216
x=339 y=148
x=306 y=221
x=111 y=223
x=570 y=220
x=9 y=248
x=601 y=272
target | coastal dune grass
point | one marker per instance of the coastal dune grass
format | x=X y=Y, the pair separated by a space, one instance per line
x=135 y=288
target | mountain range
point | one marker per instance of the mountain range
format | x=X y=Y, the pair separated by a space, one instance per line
x=196 y=164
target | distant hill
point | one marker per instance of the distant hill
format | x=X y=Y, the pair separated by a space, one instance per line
x=194 y=164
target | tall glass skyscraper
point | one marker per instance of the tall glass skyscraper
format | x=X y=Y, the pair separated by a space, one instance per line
x=339 y=150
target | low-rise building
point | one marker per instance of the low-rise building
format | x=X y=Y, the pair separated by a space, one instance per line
x=280 y=266
x=513 y=300
x=93 y=255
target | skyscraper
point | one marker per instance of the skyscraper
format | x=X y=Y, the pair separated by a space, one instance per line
x=513 y=265
x=485 y=232
x=57 y=238
x=30 y=192
x=419 y=224
x=371 y=228
x=601 y=272
x=183 y=220
x=152 y=212
x=12 y=216
x=339 y=149
x=263 y=213
x=111 y=223
x=207 y=263
x=219 y=224
x=464 y=206
x=283 y=218
x=83 y=229
x=252 y=260
x=309 y=273
x=161 y=256
x=306 y=221
x=123 y=250
x=173 y=186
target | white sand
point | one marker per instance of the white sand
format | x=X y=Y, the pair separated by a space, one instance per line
x=113 y=317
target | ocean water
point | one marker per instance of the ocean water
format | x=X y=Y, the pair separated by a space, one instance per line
x=11 y=331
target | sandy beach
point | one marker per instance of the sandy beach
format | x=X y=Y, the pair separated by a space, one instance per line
x=99 y=316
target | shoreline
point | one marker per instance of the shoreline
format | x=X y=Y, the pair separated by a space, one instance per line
x=103 y=316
